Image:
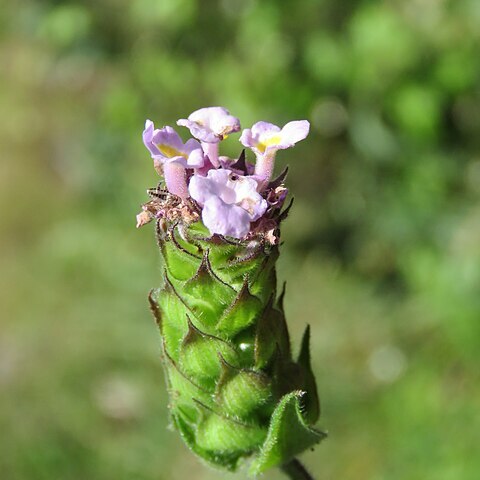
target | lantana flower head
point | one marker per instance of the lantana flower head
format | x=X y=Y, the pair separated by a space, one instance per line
x=165 y=145
x=229 y=202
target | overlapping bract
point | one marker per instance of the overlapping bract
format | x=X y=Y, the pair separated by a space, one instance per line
x=234 y=389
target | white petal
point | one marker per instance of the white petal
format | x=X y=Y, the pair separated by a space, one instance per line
x=294 y=131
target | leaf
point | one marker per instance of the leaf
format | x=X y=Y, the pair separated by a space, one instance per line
x=242 y=312
x=188 y=248
x=199 y=357
x=228 y=461
x=180 y=264
x=154 y=307
x=271 y=334
x=220 y=250
x=184 y=392
x=173 y=312
x=249 y=262
x=310 y=400
x=223 y=434
x=240 y=392
x=263 y=280
x=288 y=435
x=207 y=295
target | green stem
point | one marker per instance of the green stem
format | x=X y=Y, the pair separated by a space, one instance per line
x=296 y=471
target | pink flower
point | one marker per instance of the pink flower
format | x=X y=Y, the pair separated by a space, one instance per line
x=265 y=139
x=171 y=156
x=211 y=124
x=230 y=202
x=165 y=145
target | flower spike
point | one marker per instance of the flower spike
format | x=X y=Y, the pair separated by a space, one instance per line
x=235 y=389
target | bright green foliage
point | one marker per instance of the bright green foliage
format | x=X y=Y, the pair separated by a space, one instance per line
x=234 y=388
x=288 y=433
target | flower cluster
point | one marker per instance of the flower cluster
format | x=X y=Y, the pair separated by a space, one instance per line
x=233 y=196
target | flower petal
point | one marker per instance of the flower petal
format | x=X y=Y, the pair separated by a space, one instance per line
x=293 y=132
x=191 y=144
x=264 y=129
x=168 y=136
x=203 y=134
x=196 y=159
x=211 y=124
x=264 y=136
x=147 y=136
x=213 y=185
x=251 y=137
x=225 y=219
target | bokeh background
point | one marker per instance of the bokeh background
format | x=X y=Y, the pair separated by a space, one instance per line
x=382 y=249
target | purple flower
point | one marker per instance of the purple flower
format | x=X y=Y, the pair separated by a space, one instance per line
x=230 y=202
x=165 y=145
x=171 y=156
x=211 y=124
x=265 y=139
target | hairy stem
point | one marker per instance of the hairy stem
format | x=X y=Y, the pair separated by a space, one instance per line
x=296 y=471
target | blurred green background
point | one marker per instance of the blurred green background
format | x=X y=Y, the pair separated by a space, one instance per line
x=382 y=249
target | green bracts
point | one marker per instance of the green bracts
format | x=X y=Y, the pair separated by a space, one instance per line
x=235 y=390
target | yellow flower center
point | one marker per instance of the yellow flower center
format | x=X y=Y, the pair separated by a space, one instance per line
x=274 y=140
x=169 y=151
